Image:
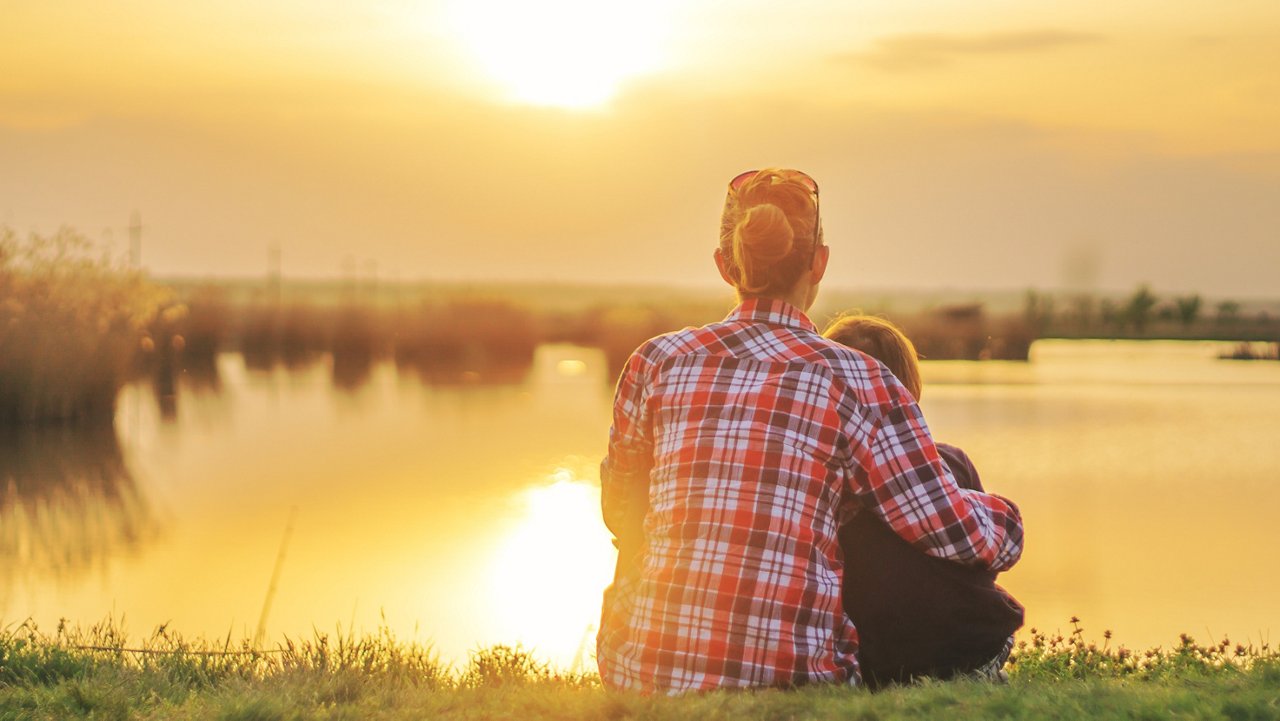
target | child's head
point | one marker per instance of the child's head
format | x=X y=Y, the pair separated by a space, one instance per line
x=883 y=341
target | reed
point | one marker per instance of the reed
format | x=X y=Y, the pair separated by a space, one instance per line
x=966 y=332
x=294 y=334
x=71 y=324
x=618 y=329
x=206 y=327
x=358 y=337
x=467 y=340
x=487 y=337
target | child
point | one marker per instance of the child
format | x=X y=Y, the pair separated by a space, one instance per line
x=917 y=615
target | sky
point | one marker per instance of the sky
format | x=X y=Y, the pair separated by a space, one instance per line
x=991 y=144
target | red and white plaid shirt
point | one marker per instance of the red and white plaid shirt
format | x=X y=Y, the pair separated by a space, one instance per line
x=736 y=451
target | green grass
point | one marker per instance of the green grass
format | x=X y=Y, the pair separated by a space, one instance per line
x=95 y=673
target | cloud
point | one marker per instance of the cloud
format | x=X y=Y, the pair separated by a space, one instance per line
x=907 y=53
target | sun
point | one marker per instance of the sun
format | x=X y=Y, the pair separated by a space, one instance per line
x=562 y=53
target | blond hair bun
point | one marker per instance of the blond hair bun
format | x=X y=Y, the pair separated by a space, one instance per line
x=761 y=238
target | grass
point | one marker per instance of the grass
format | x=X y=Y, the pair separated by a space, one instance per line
x=94 y=673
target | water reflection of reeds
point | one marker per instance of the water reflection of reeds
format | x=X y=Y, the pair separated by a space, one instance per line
x=68 y=502
x=467 y=341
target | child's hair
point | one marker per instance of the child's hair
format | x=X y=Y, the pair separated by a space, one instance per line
x=883 y=341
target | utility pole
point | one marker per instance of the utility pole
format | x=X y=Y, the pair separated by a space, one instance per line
x=135 y=240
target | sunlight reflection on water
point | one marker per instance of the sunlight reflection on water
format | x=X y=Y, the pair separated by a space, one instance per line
x=552 y=567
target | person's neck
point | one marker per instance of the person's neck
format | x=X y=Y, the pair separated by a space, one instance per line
x=798 y=297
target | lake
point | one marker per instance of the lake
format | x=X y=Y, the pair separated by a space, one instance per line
x=466 y=515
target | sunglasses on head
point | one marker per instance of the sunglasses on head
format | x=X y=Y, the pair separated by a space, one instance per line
x=741 y=179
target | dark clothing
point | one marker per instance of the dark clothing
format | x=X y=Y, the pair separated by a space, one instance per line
x=918 y=615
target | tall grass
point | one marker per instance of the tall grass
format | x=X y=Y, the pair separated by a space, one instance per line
x=97 y=673
x=205 y=327
x=620 y=329
x=484 y=337
x=467 y=340
x=968 y=333
x=71 y=323
x=293 y=334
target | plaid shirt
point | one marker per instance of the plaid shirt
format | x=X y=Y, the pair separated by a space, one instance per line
x=736 y=451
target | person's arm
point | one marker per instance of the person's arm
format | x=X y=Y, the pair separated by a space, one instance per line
x=961 y=467
x=624 y=473
x=899 y=476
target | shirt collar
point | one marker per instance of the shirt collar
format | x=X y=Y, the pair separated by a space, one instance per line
x=772 y=311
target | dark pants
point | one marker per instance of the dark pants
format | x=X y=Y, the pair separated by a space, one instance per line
x=918 y=615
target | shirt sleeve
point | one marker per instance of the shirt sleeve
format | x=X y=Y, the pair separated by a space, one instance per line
x=898 y=475
x=624 y=474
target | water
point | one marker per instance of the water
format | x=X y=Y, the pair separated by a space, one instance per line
x=466 y=515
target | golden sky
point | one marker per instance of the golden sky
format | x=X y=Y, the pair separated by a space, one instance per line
x=986 y=144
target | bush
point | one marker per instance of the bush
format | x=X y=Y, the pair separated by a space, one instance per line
x=71 y=325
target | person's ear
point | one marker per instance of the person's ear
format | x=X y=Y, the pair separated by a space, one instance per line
x=820 y=258
x=722 y=264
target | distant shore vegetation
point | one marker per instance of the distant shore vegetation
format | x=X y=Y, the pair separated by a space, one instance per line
x=97 y=672
x=76 y=324
x=461 y=333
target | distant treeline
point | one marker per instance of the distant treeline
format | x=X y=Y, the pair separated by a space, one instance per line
x=1144 y=314
x=75 y=327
